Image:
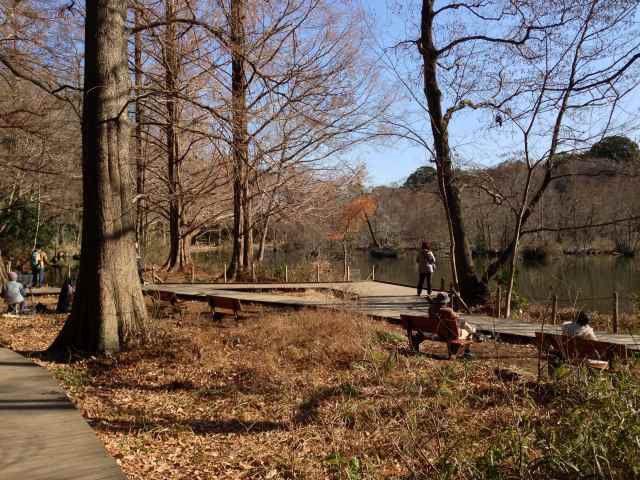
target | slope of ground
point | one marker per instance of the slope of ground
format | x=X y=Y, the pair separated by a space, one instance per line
x=316 y=394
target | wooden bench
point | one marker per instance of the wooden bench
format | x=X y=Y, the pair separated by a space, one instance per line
x=435 y=328
x=224 y=303
x=159 y=296
x=575 y=350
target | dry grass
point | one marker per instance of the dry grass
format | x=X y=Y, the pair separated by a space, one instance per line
x=309 y=394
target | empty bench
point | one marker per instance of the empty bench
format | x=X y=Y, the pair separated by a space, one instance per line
x=228 y=305
x=575 y=350
x=433 y=328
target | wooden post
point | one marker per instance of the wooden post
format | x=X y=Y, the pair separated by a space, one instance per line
x=225 y=273
x=615 y=312
x=193 y=273
x=442 y=288
x=253 y=271
x=286 y=274
x=499 y=302
x=348 y=273
x=318 y=272
x=554 y=309
x=373 y=272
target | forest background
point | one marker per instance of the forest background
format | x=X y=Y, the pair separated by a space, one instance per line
x=251 y=129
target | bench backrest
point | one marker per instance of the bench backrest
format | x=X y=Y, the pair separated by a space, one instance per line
x=224 y=303
x=576 y=348
x=446 y=329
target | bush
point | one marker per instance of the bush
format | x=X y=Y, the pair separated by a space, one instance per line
x=589 y=428
x=20 y=223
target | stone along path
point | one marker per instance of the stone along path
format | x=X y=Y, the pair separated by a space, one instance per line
x=42 y=435
x=377 y=299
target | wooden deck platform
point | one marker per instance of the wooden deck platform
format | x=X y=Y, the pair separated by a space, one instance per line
x=381 y=300
x=42 y=435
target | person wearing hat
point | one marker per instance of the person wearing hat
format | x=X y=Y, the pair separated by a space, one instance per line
x=426 y=261
x=13 y=292
x=440 y=310
x=580 y=327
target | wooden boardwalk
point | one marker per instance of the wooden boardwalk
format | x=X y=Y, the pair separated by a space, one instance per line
x=42 y=435
x=377 y=299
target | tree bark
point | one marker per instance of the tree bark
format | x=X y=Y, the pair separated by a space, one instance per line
x=472 y=289
x=140 y=163
x=3 y=270
x=375 y=241
x=108 y=310
x=175 y=261
x=241 y=214
x=263 y=238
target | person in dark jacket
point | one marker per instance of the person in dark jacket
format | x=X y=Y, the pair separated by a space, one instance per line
x=65 y=297
x=426 y=261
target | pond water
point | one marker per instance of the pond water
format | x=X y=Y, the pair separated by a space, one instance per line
x=586 y=281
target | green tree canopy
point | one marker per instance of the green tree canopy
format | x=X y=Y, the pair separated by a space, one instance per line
x=617 y=148
x=422 y=176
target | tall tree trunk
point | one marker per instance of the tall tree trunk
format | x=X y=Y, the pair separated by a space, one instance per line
x=247 y=226
x=236 y=253
x=375 y=241
x=516 y=238
x=172 y=66
x=472 y=289
x=263 y=238
x=140 y=164
x=241 y=216
x=3 y=270
x=108 y=310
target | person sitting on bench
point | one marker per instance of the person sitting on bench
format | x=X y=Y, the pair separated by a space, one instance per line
x=580 y=327
x=466 y=331
x=438 y=305
x=13 y=293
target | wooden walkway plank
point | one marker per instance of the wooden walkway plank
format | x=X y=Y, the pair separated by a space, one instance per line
x=42 y=435
x=376 y=299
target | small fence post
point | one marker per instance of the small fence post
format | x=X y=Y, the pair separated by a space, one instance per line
x=554 y=309
x=193 y=273
x=318 y=272
x=348 y=273
x=373 y=272
x=442 y=288
x=253 y=271
x=615 y=312
x=286 y=274
x=499 y=302
x=225 y=273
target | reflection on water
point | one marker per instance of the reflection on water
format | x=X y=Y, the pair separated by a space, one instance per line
x=586 y=281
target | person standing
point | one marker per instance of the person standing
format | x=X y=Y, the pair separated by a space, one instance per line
x=426 y=261
x=38 y=262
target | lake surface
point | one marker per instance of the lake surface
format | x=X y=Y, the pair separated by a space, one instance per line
x=586 y=281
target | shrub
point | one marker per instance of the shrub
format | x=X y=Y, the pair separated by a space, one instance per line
x=590 y=428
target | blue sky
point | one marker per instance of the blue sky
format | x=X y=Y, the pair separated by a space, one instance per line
x=474 y=137
x=391 y=160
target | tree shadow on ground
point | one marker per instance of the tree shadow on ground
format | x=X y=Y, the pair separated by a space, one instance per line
x=172 y=423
